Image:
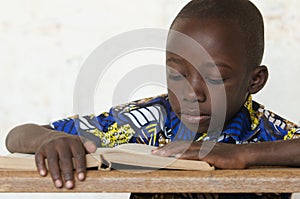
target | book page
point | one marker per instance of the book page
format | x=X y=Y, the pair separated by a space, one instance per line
x=129 y=148
x=128 y=154
x=140 y=155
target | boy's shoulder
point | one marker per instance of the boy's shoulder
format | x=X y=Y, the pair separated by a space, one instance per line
x=255 y=123
x=268 y=119
x=144 y=102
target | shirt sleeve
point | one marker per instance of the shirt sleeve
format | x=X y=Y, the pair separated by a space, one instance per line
x=104 y=130
x=293 y=133
x=141 y=121
x=281 y=126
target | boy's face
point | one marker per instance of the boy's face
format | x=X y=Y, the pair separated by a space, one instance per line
x=192 y=88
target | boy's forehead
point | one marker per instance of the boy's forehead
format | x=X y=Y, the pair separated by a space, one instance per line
x=208 y=28
x=218 y=39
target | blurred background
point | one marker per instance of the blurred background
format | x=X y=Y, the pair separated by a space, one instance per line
x=43 y=43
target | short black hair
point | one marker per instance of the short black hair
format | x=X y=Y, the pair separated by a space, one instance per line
x=245 y=12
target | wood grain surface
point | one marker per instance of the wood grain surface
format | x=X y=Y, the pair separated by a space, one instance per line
x=279 y=180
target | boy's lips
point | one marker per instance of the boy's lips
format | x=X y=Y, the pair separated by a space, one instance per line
x=194 y=117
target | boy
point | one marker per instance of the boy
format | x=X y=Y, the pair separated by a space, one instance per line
x=232 y=33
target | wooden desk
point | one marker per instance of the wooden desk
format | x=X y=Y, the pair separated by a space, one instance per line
x=280 y=180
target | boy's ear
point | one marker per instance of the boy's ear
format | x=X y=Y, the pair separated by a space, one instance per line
x=259 y=77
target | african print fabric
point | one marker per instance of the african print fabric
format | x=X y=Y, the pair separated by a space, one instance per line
x=152 y=121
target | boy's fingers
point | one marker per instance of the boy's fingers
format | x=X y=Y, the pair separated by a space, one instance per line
x=166 y=151
x=40 y=164
x=171 y=149
x=55 y=170
x=66 y=167
x=161 y=152
x=90 y=146
x=80 y=164
x=189 y=155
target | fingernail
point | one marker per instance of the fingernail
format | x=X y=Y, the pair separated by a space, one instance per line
x=81 y=176
x=154 y=150
x=90 y=146
x=69 y=184
x=58 y=183
x=177 y=155
x=42 y=172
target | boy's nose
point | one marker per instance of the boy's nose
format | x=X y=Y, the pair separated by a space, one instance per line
x=195 y=91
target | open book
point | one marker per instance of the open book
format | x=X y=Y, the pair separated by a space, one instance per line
x=126 y=154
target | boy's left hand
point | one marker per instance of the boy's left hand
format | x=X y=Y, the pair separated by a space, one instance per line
x=221 y=155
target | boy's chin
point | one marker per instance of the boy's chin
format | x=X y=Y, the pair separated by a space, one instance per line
x=196 y=127
x=202 y=128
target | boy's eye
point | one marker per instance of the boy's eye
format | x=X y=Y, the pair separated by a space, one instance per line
x=174 y=74
x=214 y=81
x=175 y=77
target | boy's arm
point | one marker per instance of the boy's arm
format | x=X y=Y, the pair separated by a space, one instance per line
x=27 y=138
x=59 y=148
x=278 y=153
x=237 y=156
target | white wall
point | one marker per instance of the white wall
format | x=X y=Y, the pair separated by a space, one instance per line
x=43 y=42
x=281 y=56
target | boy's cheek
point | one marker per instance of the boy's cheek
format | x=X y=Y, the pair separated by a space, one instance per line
x=174 y=100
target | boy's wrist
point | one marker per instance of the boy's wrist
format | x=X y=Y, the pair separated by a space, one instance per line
x=255 y=154
x=249 y=156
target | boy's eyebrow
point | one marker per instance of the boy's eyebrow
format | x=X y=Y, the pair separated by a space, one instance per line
x=218 y=64
x=176 y=60
x=207 y=64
